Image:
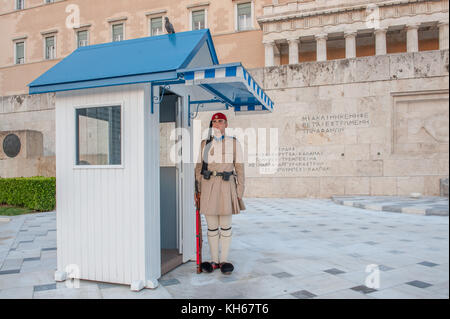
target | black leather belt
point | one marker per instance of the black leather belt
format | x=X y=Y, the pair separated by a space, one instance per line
x=225 y=175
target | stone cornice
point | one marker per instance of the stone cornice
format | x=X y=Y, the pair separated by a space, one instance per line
x=158 y=12
x=47 y=32
x=19 y=38
x=83 y=26
x=119 y=19
x=390 y=14
x=197 y=5
x=298 y=14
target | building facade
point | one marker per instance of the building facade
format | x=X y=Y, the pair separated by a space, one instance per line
x=335 y=29
x=360 y=87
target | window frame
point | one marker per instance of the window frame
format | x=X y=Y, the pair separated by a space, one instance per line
x=191 y=20
x=23 y=4
x=112 y=30
x=77 y=37
x=108 y=104
x=162 y=25
x=236 y=17
x=45 y=46
x=15 y=51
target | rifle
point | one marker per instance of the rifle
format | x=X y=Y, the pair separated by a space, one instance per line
x=198 y=228
x=199 y=237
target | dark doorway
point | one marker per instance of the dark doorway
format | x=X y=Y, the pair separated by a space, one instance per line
x=169 y=192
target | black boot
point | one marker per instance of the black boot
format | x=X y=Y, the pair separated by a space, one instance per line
x=209 y=266
x=226 y=268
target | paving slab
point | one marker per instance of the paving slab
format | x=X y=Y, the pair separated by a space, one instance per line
x=17 y=293
x=92 y=292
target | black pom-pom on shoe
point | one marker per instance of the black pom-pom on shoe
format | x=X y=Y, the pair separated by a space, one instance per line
x=226 y=268
x=208 y=266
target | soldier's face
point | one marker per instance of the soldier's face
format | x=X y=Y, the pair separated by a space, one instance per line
x=220 y=124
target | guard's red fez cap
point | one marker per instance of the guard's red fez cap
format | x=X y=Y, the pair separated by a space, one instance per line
x=219 y=116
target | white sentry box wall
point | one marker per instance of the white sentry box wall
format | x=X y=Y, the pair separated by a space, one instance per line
x=108 y=225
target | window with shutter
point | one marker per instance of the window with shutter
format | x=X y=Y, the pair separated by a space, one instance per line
x=20 y=4
x=156 y=26
x=244 y=16
x=198 y=20
x=82 y=38
x=117 y=32
x=20 y=52
x=50 y=48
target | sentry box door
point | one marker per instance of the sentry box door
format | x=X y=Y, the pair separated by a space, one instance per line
x=171 y=210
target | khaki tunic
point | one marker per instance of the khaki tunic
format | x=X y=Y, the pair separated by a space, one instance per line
x=219 y=197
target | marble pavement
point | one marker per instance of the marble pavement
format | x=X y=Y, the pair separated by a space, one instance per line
x=281 y=248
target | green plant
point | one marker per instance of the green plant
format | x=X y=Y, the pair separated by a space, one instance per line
x=38 y=193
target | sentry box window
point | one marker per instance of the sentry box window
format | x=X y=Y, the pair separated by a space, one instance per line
x=98 y=136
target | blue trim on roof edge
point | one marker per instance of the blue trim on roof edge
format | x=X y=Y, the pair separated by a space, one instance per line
x=133 y=79
x=236 y=64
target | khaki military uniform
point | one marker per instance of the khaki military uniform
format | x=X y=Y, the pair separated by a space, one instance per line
x=220 y=197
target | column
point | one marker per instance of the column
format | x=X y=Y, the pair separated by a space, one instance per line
x=412 y=37
x=380 y=41
x=269 y=47
x=350 y=44
x=293 y=50
x=321 y=40
x=443 y=35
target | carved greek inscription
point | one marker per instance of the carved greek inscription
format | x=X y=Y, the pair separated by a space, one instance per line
x=333 y=123
x=291 y=159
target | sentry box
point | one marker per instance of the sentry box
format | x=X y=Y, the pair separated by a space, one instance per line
x=125 y=212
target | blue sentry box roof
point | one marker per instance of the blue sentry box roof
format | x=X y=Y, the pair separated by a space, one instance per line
x=124 y=59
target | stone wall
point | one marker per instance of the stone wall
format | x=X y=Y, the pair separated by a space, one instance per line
x=29 y=113
x=368 y=126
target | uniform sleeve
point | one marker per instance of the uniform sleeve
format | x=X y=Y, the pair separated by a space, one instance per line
x=198 y=166
x=239 y=168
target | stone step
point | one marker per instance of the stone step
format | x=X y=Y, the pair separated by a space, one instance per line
x=436 y=206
